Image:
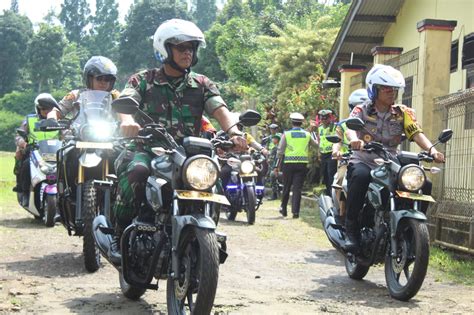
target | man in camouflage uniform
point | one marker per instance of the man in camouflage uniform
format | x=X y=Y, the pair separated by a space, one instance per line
x=174 y=96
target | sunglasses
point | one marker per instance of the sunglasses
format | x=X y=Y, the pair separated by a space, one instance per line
x=184 y=48
x=105 y=78
x=385 y=88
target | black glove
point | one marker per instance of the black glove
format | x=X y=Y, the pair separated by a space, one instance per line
x=48 y=124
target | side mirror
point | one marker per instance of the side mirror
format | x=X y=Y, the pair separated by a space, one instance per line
x=445 y=135
x=22 y=133
x=125 y=105
x=333 y=139
x=250 y=118
x=355 y=123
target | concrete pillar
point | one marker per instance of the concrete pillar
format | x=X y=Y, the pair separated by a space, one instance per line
x=347 y=72
x=383 y=53
x=433 y=71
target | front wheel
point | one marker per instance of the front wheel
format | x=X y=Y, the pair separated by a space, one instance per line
x=49 y=210
x=195 y=289
x=406 y=269
x=355 y=269
x=129 y=291
x=89 y=212
x=250 y=204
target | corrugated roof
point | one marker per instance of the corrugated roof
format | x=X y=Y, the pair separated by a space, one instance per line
x=364 y=27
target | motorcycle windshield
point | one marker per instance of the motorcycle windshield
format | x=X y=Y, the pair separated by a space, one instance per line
x=48 y=149
x=95 y=121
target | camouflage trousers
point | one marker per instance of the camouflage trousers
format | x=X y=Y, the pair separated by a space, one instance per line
x=133 y=169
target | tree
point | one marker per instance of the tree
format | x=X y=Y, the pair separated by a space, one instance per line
x=45 y=55
x=73 y=57
x=136 y=42
x=8 y=123
x=105 y=29
x=209 y=63
x=233 y=8
x=14 y=6
x=74 y=16
x=15 y=31
x=204 y=12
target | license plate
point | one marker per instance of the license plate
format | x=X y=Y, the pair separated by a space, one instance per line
x=254 y=174
x=410 y=195
x=94 y=145
x=201 y=195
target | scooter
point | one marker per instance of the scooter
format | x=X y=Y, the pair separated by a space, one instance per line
x=40 y=201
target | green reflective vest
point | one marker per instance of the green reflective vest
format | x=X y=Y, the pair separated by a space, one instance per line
x=35 y=136
x=324 y=145
x=297 y=141
x=345 y=141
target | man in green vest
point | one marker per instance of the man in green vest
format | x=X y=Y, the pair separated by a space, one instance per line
x=293 y=160
x=43 y=105
x=328 y=164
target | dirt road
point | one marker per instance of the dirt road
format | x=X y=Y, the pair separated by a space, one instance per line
x=277 y=266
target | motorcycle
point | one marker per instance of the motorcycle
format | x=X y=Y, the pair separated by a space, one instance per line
x=84 y=172
x=392 y=228
x=243 y=191
x=173 y=236
x=41 y=199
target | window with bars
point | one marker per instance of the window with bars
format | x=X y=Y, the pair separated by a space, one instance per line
x=408 y=92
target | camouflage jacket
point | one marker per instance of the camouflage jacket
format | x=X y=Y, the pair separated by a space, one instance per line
x=178 y=103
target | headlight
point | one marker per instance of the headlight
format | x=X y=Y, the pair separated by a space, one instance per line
x=97 y=131
x=47 y=169
x=247 y=167
x=411 y=178
x=200 y=172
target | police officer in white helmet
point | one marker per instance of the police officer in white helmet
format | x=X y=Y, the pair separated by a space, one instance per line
x=293 y=160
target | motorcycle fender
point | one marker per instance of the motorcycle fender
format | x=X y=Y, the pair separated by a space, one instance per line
x=198 y=220
x=325 y=207
x=89 y=159
x=398 y=215
x=51 y=189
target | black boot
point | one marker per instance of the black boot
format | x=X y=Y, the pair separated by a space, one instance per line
x=115 y=254
x=352 y=243
x=273 y=197
x=283 y=212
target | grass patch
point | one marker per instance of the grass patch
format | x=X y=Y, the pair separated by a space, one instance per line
x=452 y=267
x=7 y=161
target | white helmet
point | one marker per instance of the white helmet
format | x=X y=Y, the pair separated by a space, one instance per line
x=44 y=101
x=357 y=97
x=296 y=117
x=176 y=31
x=383 y=75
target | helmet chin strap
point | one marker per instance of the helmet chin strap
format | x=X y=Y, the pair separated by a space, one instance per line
x=175 y=66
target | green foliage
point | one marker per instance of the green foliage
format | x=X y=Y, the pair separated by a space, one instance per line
x=75 y=17
x=14 y=6
x=105 y=31
x=209 y=63
x=9 y=121
x=45 y=54
x=454 y=267
x=18 y=102
x=73 y=57
x=136 y=42
x=204 y=13
x=234 y=9
x=235 y=46
x=15 y=30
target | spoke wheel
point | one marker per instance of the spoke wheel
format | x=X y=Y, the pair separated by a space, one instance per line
x=406 y=269
x=89 y=212
x=195 y=289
